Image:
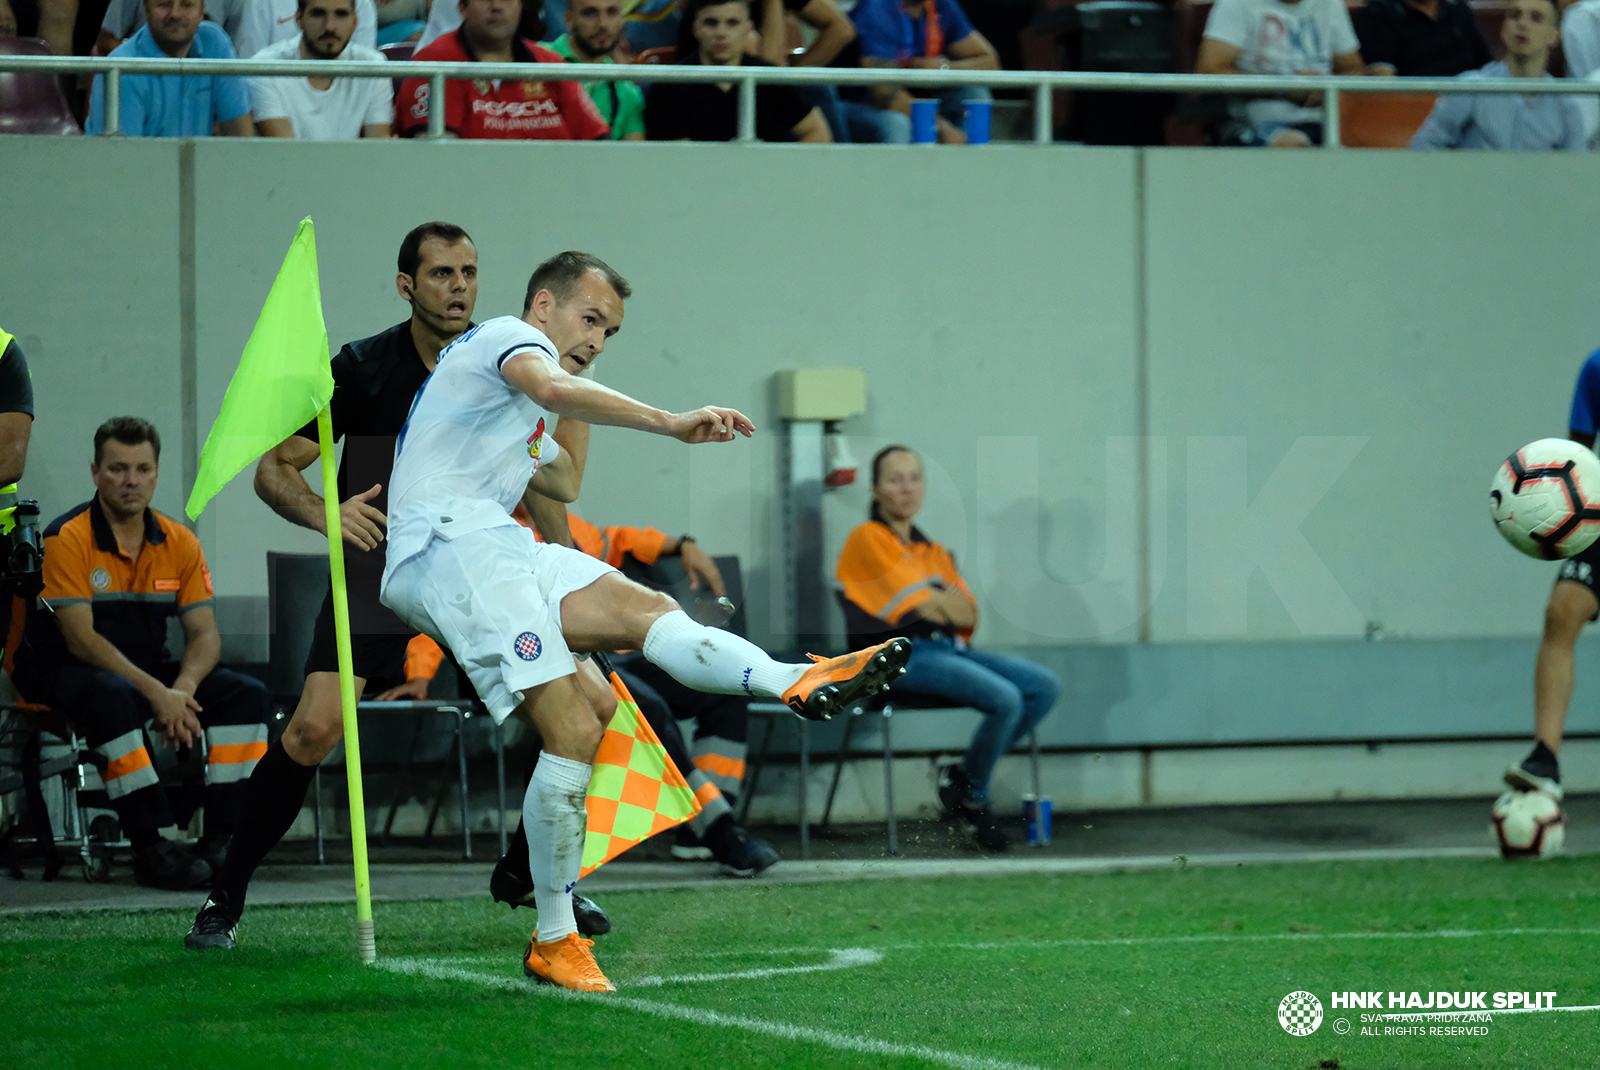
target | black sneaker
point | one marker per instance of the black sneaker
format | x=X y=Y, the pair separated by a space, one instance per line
x=1528 y=775
x=166 y=865
x=952 y=788
x=985 y=829
x=214 y=928
x=516 y=890
x=213 y=849
x=740 y=853
x=688 y=847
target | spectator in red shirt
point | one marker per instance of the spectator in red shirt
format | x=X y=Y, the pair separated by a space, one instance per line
x=482 y=108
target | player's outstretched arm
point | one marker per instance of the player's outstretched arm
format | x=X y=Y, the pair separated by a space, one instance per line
x=571 y=396
x=280 y=484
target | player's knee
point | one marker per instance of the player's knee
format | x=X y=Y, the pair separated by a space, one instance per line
x=1571 y=606
x=313 y=732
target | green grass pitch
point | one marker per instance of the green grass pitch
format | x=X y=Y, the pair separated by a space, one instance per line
x=1180 y=968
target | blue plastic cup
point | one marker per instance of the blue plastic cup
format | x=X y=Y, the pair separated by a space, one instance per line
x=978 y=113
x=924 y=129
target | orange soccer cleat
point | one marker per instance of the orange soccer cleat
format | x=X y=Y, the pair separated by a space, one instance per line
x=567 y=962
x=833 y=684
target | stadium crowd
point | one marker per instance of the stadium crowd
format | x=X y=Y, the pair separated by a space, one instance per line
x=1379 y=38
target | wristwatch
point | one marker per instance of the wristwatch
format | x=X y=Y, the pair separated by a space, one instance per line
x=681 y=540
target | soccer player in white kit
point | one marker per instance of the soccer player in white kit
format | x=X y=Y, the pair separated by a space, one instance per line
x=513 y=610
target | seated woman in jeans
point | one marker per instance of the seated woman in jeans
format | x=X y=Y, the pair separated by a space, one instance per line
x=898 y=582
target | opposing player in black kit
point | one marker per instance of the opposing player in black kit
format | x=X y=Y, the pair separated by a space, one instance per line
x=375 y=380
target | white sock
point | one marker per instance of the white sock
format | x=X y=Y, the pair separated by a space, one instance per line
x=555 y=818
x=710 y=659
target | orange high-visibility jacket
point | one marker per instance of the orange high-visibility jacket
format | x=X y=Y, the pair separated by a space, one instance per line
x=885 y=580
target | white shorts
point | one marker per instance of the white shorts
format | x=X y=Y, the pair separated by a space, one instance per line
x=493 y=598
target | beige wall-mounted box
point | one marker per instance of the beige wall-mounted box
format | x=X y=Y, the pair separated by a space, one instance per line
x=821 y=393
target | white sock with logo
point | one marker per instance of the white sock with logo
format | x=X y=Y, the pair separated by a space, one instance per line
x=555 y=818
x=710 y=659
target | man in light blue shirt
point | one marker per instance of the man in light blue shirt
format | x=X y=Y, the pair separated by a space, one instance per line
x=1510 y=121
x=173 y=105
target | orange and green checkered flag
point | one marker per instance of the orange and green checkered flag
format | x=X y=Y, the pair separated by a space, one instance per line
x=635 y=791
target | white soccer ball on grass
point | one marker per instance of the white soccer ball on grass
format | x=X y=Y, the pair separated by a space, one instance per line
x=1528 y=824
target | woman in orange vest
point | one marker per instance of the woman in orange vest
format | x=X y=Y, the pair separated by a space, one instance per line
x=897 y=581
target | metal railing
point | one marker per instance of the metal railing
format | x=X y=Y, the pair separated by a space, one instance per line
x=1042 y=83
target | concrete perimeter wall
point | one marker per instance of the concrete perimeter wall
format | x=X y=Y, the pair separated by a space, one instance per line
x=1196 y=423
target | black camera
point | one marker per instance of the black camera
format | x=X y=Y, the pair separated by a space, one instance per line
x=22 y=572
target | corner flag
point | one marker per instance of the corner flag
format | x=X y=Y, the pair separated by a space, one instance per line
x=634 y=791
x=284 y=378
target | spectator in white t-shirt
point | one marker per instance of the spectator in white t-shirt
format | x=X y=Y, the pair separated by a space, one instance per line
x=266 y=22
x=322 y=109
x=1278 y=37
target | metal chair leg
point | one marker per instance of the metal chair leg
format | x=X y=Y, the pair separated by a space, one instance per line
x=753 y=771
x=400 y=779
x=805 y=775
x=316 y=812
x=1033 y=757
x=500 y=780
x=838 y=768
x=461 y=759
x=888 y=782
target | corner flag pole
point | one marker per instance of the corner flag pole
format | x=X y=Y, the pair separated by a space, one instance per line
x=366 y=940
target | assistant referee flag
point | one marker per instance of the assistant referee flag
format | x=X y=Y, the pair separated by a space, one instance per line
x=634 y=790
x=284 y=377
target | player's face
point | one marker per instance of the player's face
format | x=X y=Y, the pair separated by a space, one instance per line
x=327 y=27
x=490 y=20
x=1530 y=27
x=723 y=31
x=596 y=25
x=580 y=325
x=173 y=23
x=898 y=490
x=446 y=285
x=125 y=478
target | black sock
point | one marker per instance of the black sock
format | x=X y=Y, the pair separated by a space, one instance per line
x=1542 y=762
x=516 y=856
x=271 y=801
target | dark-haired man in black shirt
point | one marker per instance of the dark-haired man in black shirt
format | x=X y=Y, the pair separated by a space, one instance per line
x=375 y=380
x=1421 y=38
x=709 y=111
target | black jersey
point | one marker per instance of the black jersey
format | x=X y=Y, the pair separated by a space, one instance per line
x=374 y=382
x=16 y=385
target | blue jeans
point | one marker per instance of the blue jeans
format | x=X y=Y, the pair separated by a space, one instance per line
x=872 y=126
x=1013 y=694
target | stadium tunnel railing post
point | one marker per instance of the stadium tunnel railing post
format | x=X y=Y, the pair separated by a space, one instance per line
x=1041 y=83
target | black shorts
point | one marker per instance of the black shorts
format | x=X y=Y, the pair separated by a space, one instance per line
x=378 y=658
x=1584 y=569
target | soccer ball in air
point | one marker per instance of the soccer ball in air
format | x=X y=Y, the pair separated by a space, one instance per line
x=1528 y=824
x=1545 y=499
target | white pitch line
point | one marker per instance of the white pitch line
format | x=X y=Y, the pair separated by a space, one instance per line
x=782 y=1030
x=841 y=959
x=1130 y=941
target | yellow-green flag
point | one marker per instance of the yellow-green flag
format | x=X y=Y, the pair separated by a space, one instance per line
x=284 y=377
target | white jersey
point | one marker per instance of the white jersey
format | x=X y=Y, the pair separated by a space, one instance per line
x=471 y=442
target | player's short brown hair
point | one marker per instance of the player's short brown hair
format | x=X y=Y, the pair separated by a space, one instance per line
x=562 y=271
x=411 y=249
x=128 y=430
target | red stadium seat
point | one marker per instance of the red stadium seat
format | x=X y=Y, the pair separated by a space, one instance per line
x=1381 y=120
x=33 y=103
